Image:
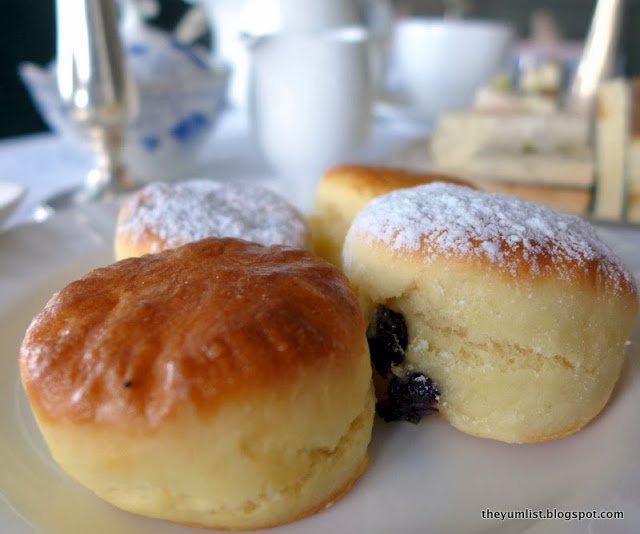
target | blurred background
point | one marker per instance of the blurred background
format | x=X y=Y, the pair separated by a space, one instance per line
x=28 y=33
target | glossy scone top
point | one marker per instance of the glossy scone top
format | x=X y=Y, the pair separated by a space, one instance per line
x=504 y=234
x=370 y=181
x=203 y=324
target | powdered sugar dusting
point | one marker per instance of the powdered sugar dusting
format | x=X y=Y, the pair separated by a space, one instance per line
x=449 y=220
x=197 y=209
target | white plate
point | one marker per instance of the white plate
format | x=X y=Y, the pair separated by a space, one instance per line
x=421 y=478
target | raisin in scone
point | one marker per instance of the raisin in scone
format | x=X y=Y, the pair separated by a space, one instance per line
x=162 y=216
x=344 y=190
x=507 y=317
x=222 y=383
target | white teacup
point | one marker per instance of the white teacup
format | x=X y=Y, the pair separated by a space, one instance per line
x=311 y=99
x=441 y=63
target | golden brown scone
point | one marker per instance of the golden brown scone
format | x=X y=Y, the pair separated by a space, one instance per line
x=344 y=190
x=519 y=314
x=162 y=216
x=222 y=383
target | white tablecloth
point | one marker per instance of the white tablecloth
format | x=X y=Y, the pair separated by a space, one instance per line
x=47 y=164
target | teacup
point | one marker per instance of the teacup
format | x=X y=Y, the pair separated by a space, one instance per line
x=441 y=63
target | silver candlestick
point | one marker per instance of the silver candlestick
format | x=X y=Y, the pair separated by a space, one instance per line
x=97 y=91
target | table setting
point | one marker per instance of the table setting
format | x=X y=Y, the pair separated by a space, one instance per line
x=290 y=98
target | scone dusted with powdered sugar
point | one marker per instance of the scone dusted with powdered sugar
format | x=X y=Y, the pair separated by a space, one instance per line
x=163 y=216
x=508 y=318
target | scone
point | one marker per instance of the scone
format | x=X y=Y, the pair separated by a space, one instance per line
x=222 y=383
x=510 y=317
x=162 y=216
x=344 y=190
